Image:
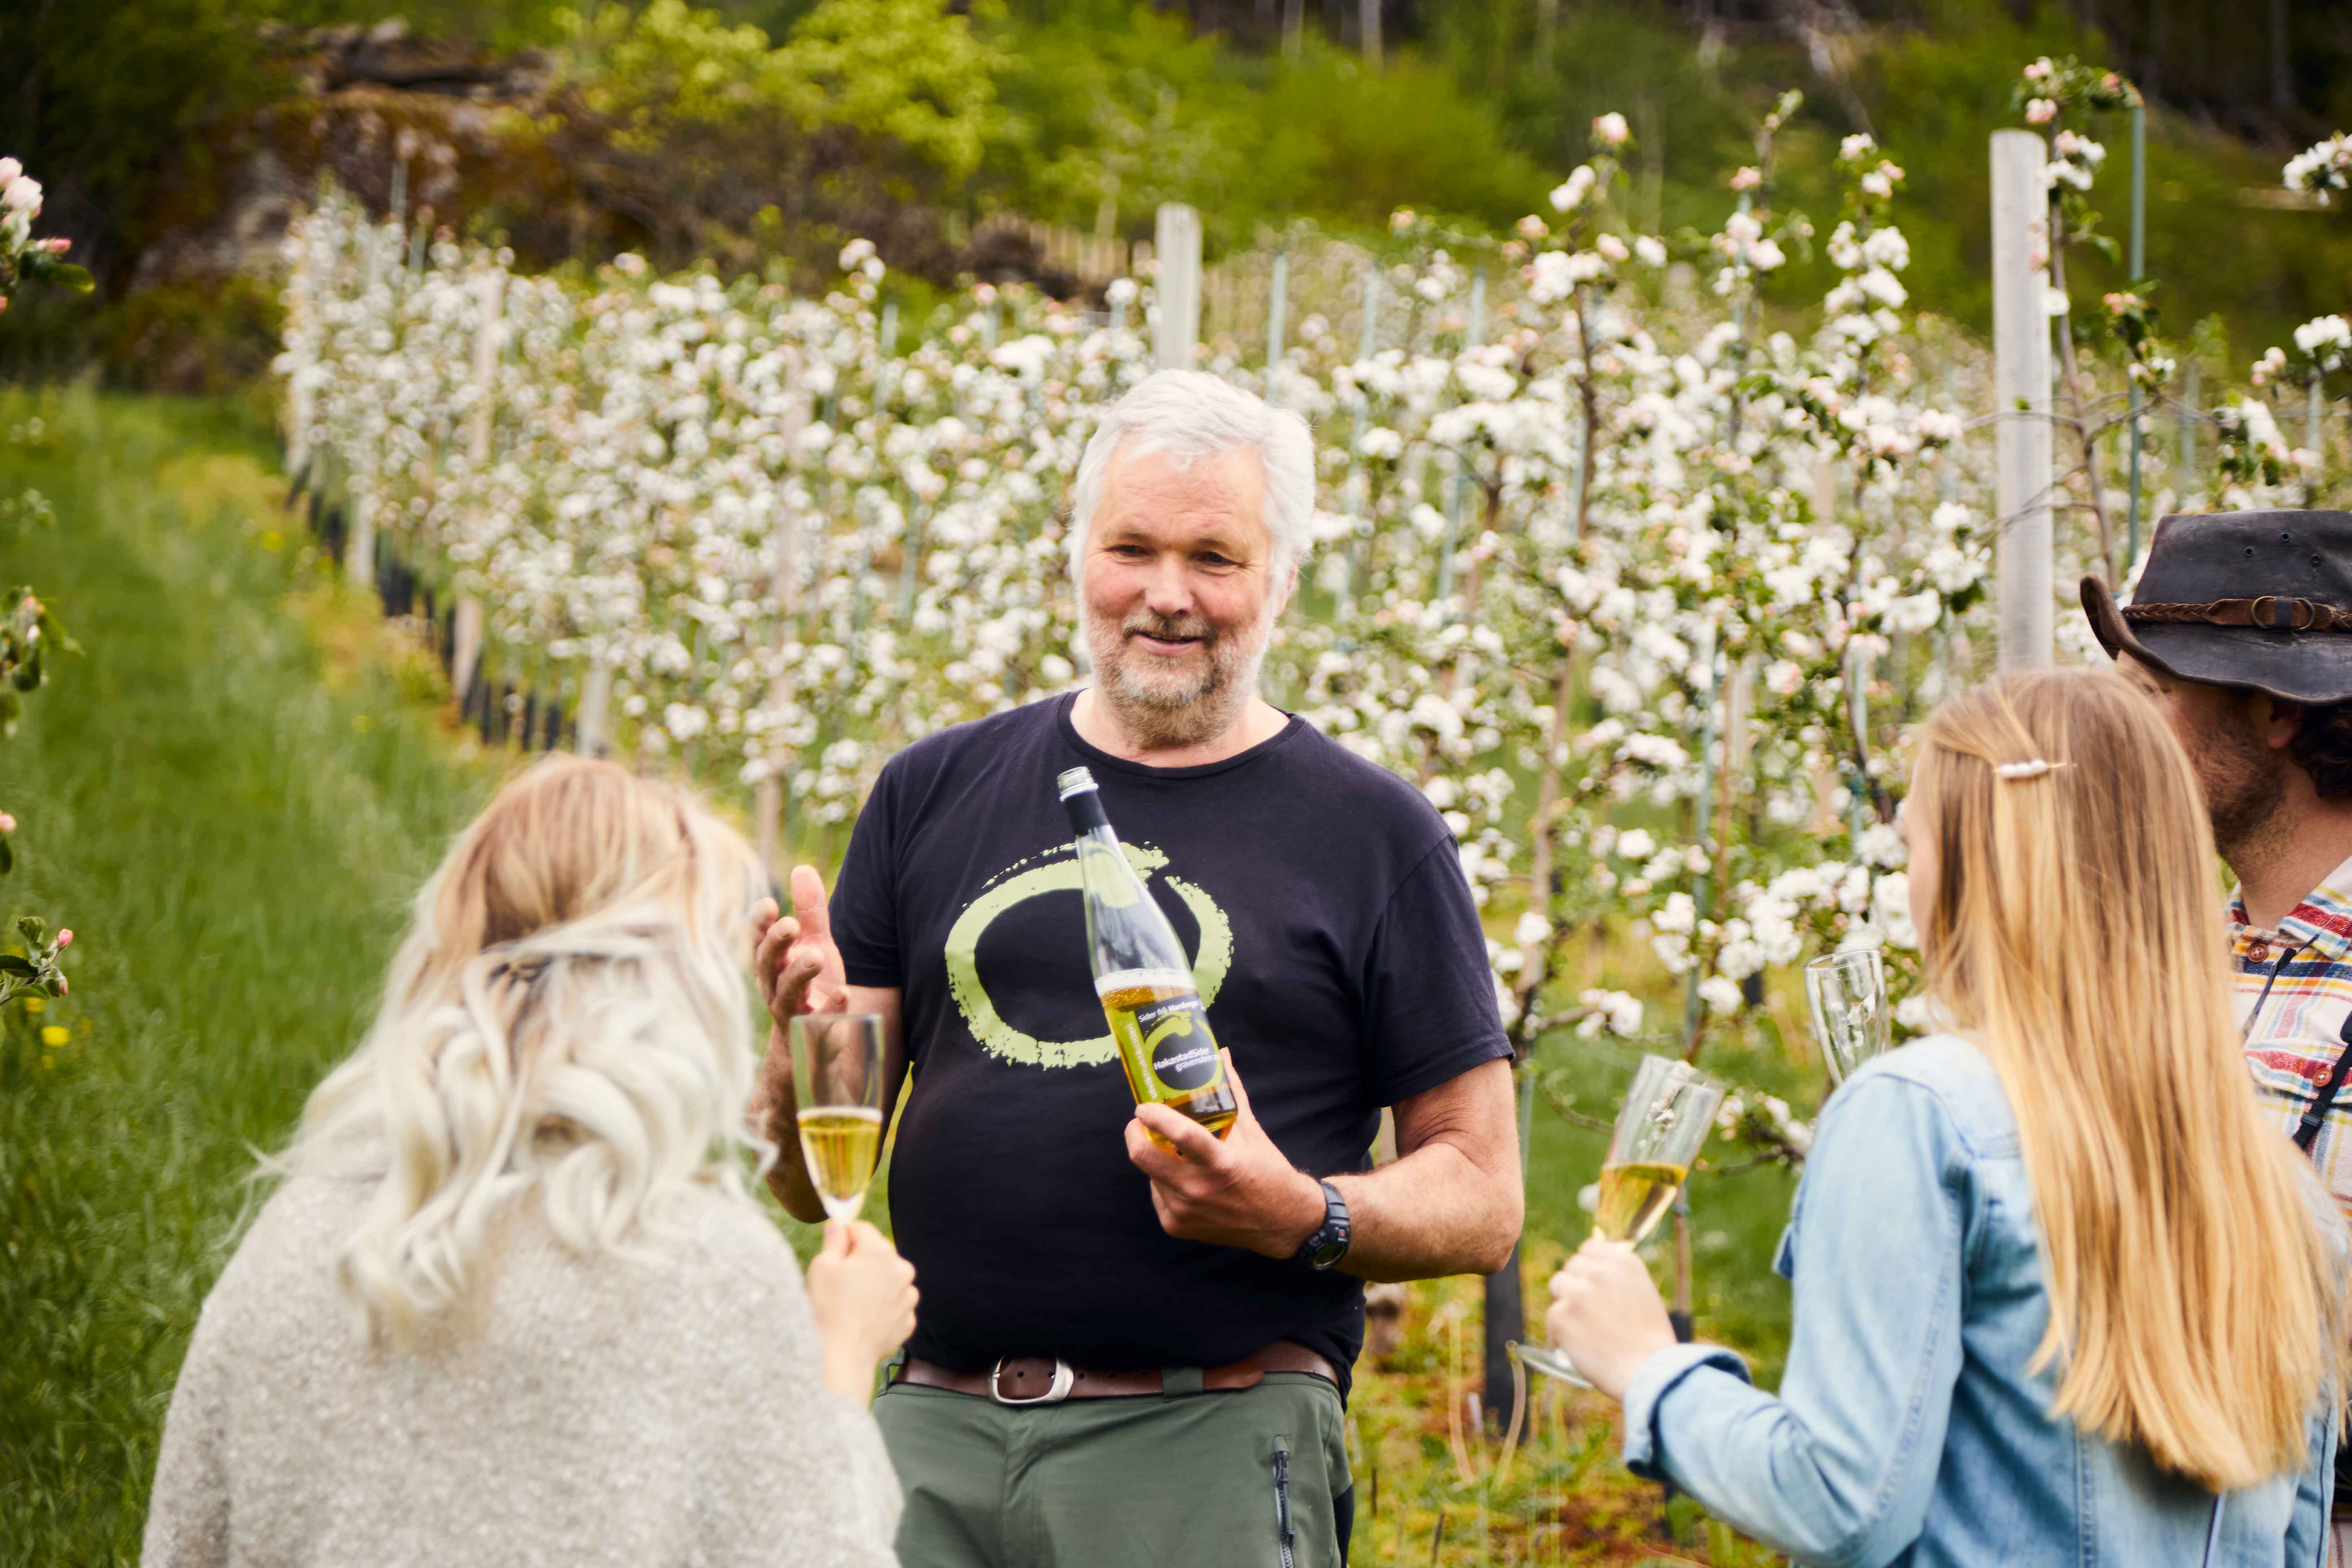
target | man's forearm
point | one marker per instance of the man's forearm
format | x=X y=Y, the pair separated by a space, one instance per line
x=1434 y=1212
x=773 y=1117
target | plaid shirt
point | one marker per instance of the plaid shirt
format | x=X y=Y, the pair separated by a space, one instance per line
x=2294 y=991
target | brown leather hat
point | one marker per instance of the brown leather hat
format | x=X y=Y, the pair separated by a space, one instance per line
x=2259 y=600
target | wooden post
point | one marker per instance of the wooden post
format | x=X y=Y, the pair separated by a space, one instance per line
x=1176 y=243
x=2020 y=317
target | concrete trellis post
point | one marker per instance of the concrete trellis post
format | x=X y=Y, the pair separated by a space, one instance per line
x=2021 y=358
x=2185 y=479
x=1176 y=244
x=595 y=698
x=1278 y=299
x=359 y=550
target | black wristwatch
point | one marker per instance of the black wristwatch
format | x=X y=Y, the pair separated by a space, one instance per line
x=1329 y=1242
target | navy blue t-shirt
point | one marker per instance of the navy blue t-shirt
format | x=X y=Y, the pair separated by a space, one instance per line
x=1335 y=941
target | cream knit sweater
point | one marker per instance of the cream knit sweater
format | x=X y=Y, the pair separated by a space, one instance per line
x=578 y=1412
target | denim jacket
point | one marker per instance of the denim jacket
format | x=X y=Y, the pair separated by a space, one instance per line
x=1908 y=1429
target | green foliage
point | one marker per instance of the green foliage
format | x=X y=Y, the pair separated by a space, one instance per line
x=1930 y=84
x=1118 y=108
x=905 y=71
x=668 y=66
x=1405 y=135
x=29 y=632
x=900 y=71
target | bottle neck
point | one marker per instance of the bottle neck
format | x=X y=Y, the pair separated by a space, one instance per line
x=1087 y=819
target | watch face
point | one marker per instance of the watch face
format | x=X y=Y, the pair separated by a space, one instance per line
x=1330 y=1252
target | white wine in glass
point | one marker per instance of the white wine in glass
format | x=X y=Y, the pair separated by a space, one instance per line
x=1634 y=1198
x=1660 y=1128
x=837 y=1095
x=841 y=1144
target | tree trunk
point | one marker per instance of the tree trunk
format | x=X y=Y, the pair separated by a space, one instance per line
x=1588 y=398
x=2085 y=437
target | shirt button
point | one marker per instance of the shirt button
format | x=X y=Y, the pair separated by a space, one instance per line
x=2258 y=950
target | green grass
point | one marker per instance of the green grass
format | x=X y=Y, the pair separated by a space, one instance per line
x=228 y=805
x=229 y=798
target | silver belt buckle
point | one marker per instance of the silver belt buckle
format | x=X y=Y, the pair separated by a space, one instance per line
x=1056 y=1392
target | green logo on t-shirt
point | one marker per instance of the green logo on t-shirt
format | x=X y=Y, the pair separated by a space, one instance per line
x=1058 y=873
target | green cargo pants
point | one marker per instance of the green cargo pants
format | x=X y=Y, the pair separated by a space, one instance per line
x=1157 y=1481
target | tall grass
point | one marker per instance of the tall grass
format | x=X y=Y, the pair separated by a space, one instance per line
x=228 y=798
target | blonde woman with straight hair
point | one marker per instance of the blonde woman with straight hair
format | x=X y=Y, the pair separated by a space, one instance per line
x=513 y=1301
x=2064 y=1295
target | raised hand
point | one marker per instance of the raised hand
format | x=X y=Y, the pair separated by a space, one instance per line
x=799 y=967
x=1235 y=1191
x=799 y=971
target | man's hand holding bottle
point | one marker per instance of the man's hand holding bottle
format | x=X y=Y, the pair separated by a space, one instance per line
x=1235 y=1191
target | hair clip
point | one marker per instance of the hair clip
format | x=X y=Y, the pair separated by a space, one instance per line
x=2031 y=768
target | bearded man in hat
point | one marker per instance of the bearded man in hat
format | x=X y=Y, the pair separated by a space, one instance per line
x=2241 y=628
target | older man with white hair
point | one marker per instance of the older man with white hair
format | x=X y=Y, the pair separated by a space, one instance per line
x=1127 y=1354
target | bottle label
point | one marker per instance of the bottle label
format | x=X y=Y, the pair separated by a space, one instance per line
x=1175 y=1038
x=1157 y=1017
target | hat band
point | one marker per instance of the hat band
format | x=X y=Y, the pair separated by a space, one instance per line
x=2271 y=612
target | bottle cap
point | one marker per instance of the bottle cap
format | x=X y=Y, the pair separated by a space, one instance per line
x=1076 y=781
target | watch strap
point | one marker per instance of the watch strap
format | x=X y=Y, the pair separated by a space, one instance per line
x=1328 y=1244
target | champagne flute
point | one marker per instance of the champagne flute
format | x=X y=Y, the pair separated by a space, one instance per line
x=1848 y=993
x=1660 y=1128
x=837 y=1089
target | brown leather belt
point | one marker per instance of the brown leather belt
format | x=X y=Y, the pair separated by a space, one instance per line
x=1048 y=1380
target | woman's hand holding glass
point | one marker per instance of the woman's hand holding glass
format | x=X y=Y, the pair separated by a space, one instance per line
x=1607 y=1315
x=1659 y=1132
x=862 y=1296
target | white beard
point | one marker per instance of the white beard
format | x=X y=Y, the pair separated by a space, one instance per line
x=1163 y=708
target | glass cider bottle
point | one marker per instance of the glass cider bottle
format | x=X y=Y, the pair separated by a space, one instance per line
x=1143 y=975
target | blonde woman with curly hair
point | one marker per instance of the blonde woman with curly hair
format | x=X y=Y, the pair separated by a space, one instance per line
x=2064 y=1293
x=513 y=1301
